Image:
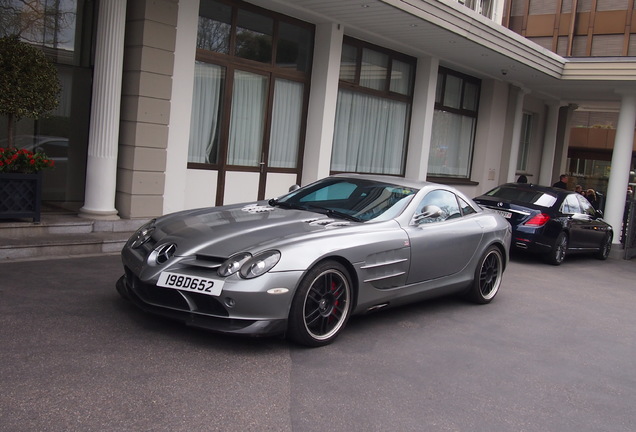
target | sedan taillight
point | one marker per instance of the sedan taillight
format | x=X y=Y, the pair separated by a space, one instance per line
x=538 y=220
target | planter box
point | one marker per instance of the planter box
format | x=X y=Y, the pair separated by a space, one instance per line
x=20 y=196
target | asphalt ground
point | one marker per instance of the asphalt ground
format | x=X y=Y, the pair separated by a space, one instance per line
x=555 y=351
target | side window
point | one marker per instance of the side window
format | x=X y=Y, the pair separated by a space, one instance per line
x=441 y=205
x=570 y=205
x=466 y=208
x=586 y=207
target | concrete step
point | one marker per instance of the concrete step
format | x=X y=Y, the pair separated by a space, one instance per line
x=63 y=235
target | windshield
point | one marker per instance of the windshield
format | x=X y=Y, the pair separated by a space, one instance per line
x=355 y=199
x=523 y=195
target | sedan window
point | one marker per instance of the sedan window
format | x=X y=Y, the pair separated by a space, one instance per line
x=570 y=205
x=586 y=207
x=523 y=195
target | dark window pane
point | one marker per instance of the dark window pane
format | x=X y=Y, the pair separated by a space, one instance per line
x=214 y=27
x=374 y=69
x=401 y=77
x=471 y=95
x=348 y=60
x=439 y=93
x=452 y=91
x=254 y=36
x=294 y=47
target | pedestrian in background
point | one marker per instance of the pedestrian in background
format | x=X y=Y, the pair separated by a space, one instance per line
x=590 y=194
x=562 y=183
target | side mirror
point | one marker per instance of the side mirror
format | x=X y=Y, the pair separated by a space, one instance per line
x=428 y=212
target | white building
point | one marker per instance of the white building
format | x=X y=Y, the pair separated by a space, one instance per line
x=207 y=102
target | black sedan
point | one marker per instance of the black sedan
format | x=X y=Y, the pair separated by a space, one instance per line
x=550 y=221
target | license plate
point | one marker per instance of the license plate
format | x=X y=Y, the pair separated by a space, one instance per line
x=505 y=214
x=197 y=284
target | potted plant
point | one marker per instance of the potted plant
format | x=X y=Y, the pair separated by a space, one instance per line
x=29 y=87
x=21 y=182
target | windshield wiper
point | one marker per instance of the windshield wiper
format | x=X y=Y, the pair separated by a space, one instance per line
x=311 y=207
x=334 y=213
x=284 y=204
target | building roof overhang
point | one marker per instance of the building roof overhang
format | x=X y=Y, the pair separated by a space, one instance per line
x=468 y=42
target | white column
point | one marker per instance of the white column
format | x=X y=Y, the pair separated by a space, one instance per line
x=101 y=166
x=549 y=144
x=419 y=145
x=516 y=135
x=322 y=102
x=621 y=159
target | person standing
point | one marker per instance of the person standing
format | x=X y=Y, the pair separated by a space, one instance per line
x=562 y=183
x=590 y=194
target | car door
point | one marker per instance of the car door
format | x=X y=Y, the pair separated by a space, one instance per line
x=574 y=220
x=442 y=244
x=592 y=229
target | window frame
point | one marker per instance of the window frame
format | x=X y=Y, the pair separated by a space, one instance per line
x=231 y=62
x=386 y=93
x=440 y=93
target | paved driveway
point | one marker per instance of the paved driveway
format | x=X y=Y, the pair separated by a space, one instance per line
x=555 y=351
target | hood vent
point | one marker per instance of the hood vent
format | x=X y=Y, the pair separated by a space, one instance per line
x=327 y=223
x=257 y=208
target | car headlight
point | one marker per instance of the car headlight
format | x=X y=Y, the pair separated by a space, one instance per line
x=233 y=264
x=259 y=264
x=143 y=234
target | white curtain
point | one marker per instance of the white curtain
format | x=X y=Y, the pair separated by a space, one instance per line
x=370 y=134
x=204 y=124
x=247 y=121
x=451 y=144
x=286 y=121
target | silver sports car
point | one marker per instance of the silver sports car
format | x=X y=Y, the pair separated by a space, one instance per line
x=302 y=264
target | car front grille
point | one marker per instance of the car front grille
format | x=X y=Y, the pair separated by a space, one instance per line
x=175 y=299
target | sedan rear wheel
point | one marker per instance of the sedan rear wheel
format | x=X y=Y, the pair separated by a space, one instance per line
x=321 y=305
x=488 y=276
x=557 y=254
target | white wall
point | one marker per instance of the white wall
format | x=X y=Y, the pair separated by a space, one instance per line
x=489 y=138
x=179 y=192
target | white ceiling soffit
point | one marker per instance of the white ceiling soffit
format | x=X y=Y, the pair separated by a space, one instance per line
x=469 y=42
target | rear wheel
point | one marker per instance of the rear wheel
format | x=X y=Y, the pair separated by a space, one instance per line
x=488 y=276
x=557 y=254
x=606 y=246
x=321 y=305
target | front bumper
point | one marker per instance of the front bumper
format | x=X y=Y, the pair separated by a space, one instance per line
x=199 y=310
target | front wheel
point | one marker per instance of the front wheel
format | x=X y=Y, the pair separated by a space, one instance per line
x=557 y=254
x=604 y=250
x=321 y=306
x=488 y=276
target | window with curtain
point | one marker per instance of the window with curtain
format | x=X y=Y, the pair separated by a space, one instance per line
x=250 y=88
x=454 y=124
x=247 y=119
x=373 y=110
x=286 y=123
x=206 y=113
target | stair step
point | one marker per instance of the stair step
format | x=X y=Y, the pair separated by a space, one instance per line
x=64 y=235
x=12 y=248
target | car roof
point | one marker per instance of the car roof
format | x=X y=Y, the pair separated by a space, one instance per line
x=398 y=181
x=548 y=189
